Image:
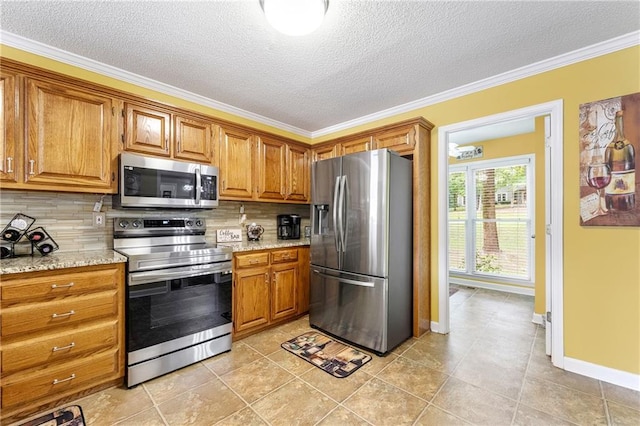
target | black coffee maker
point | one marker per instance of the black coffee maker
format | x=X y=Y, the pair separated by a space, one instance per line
x=288 y=227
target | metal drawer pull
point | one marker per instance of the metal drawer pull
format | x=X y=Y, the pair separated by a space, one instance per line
x=66 y=314
x=9 y=164
x=253 y=261
x=31 y=167
x=71 y=284
x=71 y=377
x=61 y=348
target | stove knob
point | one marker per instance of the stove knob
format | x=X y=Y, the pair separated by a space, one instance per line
x=123 y=223
x=136 y=223
x=199 y=223
x=189 y=223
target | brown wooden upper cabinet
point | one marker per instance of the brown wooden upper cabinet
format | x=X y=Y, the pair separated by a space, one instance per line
x=193 y=140
x=8 y=127
x=71 y=139
x=401 y=139
x=261 y=168
x=325 y=151
x=359 y=144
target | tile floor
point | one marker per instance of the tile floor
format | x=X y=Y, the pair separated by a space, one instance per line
x=491 y=370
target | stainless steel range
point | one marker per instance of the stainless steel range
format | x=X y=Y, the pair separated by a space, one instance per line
x=178 y=294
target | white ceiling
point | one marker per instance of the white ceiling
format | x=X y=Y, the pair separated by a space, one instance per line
x=367 y=57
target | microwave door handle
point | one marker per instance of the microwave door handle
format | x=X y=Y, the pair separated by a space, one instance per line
x=198 y=186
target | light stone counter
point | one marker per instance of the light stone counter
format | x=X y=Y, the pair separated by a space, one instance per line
x=266 y=244
x=59 y=261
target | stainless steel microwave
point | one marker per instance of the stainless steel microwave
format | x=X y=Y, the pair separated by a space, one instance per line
x=147 y=182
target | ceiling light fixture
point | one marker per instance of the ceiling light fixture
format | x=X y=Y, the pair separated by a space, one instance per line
x=295 y=17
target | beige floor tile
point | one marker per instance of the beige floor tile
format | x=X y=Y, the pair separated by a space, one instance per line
x=440 y=355
x=398 y=350
x=621 y=395
x=295 y=403
x=244 y=417
x=622 y=415
x=563 y=402
x=255 y=380
x=383 y=404
x=435 y=416
x=488 y=373
x=150 y=417
x=337 y=388
x=239 y=355
x=377 y=363
x=167 y=386
x=204 y=404
x=413 y=377
x=268 y=341
x=114 y=404
x=527 y=416
x=501 y=351
x=343 y=417
x=474 y=404
x=291 y=362
x=541 y=368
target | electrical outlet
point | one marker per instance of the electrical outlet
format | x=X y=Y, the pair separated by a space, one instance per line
x=99 y=219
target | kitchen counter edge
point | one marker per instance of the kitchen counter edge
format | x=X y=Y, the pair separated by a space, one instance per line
x=62 y=260
x=266 y=244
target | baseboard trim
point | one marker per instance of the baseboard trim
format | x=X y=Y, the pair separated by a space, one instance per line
x=606 y=374
x=491 y=286
x=537 y=319
x=435 y=327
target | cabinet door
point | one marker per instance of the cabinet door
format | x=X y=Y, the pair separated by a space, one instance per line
x=284 y=291
x=251 y=299
x=298 y=179
x=401 y=140
x=193 y=140
x=236 y=147
x=8 y=127
x=324 y=152
x=71 y=138
x=270 y=169
x=356 y=145
x=147 y=130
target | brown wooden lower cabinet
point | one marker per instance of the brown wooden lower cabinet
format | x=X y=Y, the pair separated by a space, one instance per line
x=62 y=336
x=269 y=287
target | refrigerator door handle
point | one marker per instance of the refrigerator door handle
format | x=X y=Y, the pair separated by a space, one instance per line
x=336 y=196
x=341 y=212
x=344 y=220
x=344 y=280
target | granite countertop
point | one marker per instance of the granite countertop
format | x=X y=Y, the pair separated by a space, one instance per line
x=59 y=261
x=265 y=244
x=62 y=260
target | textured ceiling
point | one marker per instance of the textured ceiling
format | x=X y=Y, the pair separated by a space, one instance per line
x=367 y=56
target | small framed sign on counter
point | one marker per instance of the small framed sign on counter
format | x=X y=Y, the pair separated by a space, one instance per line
x=229 y=235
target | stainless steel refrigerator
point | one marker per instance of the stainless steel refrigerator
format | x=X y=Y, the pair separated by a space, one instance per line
x=361 y=249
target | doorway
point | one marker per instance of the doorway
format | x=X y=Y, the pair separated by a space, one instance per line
x=553 y=218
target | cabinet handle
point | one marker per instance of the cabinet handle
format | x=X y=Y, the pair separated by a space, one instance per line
x=71 y=284
x=274 y=277
x=66 y=314
x=61 y=348
x=71 y=377
x=266 y=277
x=166 y=144
x=178 y=144
x=253 y=261
x=223 y=187
x=32 y=167
x=9 y=164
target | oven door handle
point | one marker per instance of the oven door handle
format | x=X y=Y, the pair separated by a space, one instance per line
x=137 y=278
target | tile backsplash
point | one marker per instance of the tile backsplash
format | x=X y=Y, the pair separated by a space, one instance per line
x=68 y=217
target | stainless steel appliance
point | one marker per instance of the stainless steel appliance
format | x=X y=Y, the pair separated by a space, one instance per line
x=178 y=294
x=288 y=226
x=361 y=248
x=156 y=182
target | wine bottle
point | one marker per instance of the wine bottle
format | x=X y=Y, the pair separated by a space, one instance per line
x=620 y=155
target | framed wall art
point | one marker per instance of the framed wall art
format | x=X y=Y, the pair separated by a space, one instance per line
x=609 y=137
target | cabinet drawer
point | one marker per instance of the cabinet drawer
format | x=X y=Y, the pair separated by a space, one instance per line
x=60 y=380
x=251 y=260
x=61 y=285
x=280 y=256
x=58 y=347
x=49 y=315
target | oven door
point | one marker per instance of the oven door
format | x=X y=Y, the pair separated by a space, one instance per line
x=171 y=309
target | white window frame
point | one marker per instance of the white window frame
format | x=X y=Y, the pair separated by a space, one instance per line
x=471 y=219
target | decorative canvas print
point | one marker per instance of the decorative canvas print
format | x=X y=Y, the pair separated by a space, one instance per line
x=609 y=146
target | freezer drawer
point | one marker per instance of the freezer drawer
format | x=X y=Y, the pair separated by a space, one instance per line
x=350 y=306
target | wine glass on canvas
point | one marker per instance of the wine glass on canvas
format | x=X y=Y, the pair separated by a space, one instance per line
x=598 y=177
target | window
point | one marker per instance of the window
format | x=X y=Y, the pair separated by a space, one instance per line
x=492 y=235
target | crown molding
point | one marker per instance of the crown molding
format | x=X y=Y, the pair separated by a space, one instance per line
x=589 y=52
x=47 y=51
